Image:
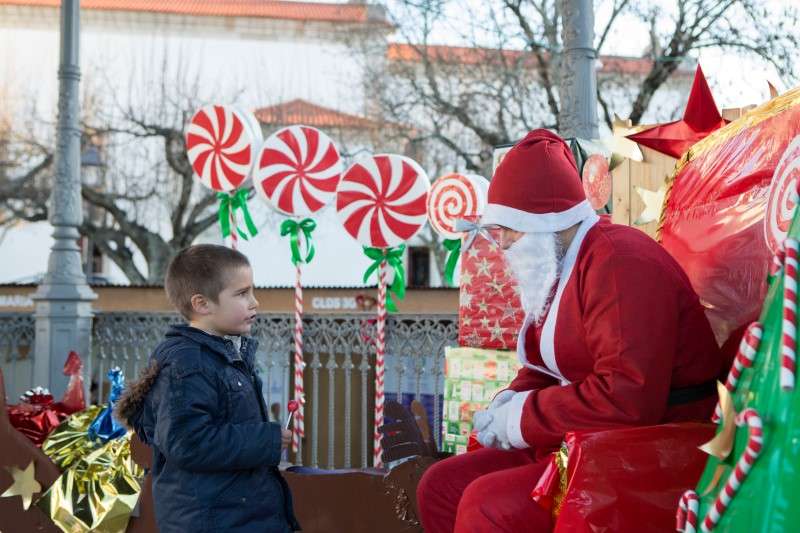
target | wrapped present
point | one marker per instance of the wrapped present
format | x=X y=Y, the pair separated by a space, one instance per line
x=105 y=427
x=38 y=414
x=100 y=482
x=490 y=314
x=472 y=377
x=622 y=480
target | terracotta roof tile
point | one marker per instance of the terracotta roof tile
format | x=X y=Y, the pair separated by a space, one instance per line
x=303 y=112
x=474 y=56
x=272 y=9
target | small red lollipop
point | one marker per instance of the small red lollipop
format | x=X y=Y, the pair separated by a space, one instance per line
x=292 y=406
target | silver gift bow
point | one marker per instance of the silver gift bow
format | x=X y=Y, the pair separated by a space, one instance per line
x=472 y=229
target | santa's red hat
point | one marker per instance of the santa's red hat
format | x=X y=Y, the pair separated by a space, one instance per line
x=537 y=188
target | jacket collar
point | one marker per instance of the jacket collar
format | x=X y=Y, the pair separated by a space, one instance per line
x=219 y=345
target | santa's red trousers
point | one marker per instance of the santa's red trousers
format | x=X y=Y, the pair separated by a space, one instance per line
x=483 y=491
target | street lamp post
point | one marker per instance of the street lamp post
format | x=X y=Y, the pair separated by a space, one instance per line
x=578 y=88
x=63 y=299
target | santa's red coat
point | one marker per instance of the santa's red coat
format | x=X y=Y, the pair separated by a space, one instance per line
x=624 y=329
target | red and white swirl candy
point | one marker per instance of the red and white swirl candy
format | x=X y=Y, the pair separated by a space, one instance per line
x=783 y=196
x=456 y=196
x=221 y=145
x=382 y=201
x=298 y=170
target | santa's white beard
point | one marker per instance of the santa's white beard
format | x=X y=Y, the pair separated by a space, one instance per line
x=535 y=260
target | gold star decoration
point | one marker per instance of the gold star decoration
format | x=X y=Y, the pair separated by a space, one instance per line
x=473 y=252
x=620 y=147
x=483 y=307
x=722 y=444
x=653 y=203
x=466 y=278
x=24 y=484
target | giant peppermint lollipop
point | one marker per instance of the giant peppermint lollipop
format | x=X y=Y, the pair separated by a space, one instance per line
x=382 y=202
x=455 y=197
x=297 y=171
x=220 y=145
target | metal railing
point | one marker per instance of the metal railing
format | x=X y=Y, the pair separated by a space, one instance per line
x=339 y=375
x=17 y=333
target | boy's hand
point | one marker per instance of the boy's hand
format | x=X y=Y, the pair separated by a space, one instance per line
x=286 y=438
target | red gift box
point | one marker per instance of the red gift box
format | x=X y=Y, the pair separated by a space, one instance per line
x=490 y=314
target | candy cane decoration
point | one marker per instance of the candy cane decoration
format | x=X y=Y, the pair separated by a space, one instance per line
x=739 y=474
x=299 y=363
x=744 y=359
x=380 y=351
x=234 y=230
x=686 y=521
x=777 y=261
x=789 y=349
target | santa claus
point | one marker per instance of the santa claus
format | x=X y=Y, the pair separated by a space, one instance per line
x=614 y=336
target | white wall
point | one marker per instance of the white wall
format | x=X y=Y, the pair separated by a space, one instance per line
x=127 y=56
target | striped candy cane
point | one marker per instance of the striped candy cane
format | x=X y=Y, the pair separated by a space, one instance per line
x=380 y=351
x=299 y=363
x=744 y=359
x=234 y=232
x=789 y=348
x=777 y=261
x=686 y=521
x=739 y=474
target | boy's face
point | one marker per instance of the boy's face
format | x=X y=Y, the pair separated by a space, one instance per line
x=234 y=312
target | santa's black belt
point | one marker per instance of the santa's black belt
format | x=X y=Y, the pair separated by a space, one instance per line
x=692 y=394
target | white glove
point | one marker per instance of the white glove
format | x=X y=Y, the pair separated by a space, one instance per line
x=482 y=418
x=491 y=426
x=504 y=396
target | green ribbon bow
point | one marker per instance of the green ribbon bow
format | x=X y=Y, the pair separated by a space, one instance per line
x=394 y=259
x=293 y=228
x=453 y=247
x=229 y=203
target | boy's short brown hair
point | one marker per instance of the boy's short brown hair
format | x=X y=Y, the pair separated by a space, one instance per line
x=200 y=269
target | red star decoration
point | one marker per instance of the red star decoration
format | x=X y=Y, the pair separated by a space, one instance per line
x=700 y=118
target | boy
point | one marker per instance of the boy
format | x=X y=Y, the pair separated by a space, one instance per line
x=199 y=406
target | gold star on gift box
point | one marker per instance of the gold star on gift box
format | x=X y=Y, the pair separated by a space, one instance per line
x=24 y=484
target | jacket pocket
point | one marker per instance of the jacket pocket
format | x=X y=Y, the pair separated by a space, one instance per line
x=241 y=399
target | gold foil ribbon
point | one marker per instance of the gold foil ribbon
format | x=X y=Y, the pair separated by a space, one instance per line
x=100 y=483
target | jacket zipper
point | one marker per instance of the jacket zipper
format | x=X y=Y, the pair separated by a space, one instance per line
x=252 y=378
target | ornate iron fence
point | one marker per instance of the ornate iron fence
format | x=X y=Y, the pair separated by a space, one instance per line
x=339 y=375
x=17 y=332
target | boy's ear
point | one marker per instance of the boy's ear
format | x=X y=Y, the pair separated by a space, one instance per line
x=200 y=304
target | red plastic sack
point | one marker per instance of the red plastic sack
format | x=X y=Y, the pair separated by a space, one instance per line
x=630 y=480
x=729 y=207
